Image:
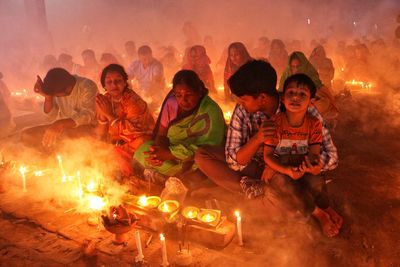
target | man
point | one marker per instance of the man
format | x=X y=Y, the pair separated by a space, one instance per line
x=69 y=103
x=149 y=74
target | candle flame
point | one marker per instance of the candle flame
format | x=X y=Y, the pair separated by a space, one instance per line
x=91 y=186
x=22 y=170
x=237 y=214
x=165 y=207
x=143 y=201
x=38 y=173
x=208 y=218
x=96 y=202
x=162 y=237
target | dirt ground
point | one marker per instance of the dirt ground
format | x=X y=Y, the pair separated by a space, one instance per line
x=365 y=189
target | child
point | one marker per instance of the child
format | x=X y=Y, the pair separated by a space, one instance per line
x=292 y=155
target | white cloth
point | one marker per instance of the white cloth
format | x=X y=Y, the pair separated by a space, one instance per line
x=79 y=106
x=150 y=79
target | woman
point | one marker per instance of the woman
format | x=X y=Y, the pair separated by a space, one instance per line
x=199 y=62
x=324 y=100
x=123 y=117
x=237 y=56
x=189 y=118
x=278 y=56
x=323 y=65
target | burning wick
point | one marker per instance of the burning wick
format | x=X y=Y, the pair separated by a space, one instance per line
x=165 y=207
x=143 y=201
x=60 y=165
x=239 y=227
x=140 y=256
x=208 y=218
x=164 y=251
x=308 y=21
x=22 y=170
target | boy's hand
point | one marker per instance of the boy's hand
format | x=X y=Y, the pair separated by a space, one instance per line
x=267 y=174
x=312 y=166
x=266 y=130
x=295 y=173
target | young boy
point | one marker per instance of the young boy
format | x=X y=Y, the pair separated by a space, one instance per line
x=295 y=145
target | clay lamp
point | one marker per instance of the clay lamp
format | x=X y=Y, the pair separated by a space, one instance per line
x=209 y=217
x=168 y=206
x=149 y=202
x=190 y=212
x=119 y=222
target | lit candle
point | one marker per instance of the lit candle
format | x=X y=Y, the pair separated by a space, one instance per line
x=78 y=174
x=164 y=251
x=165 y=207
x=63 y=177
x=22 y=170
x=140 y=256
x=143 y=201
x=239 y=227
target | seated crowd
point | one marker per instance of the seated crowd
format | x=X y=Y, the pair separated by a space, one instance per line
x=276 y=146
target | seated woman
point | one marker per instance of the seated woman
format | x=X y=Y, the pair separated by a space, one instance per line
x=278 y=56
x=324 y=100
x=122 y=115
x=323 y=65
x=199 y=62
x=237 y=56
x=189 y=118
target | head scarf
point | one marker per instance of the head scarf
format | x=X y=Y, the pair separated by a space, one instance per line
x=305 y=67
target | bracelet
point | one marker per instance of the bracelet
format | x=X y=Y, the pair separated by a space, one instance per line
x=102 y=122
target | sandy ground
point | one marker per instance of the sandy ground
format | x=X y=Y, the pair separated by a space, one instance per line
x=365 y=189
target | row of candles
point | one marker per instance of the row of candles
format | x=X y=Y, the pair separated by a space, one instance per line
x=94 y=202
x=169 y=206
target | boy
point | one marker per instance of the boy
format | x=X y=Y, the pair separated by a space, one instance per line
x=296 y=143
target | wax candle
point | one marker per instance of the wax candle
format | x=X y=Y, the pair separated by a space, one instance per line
x=163 y=251
x=22 y=170
x=239 y=227
x=140 y=256
x=63 y=176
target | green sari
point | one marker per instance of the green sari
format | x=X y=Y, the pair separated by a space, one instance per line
x=204 y=126
x=305 y=67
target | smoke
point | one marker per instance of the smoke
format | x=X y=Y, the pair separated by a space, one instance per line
x=61 y=177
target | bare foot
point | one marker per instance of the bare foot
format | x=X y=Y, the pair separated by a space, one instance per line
x=328 y=226
x=335 y=217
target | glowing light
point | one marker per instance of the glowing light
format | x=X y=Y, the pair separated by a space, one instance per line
x=165 y=207
x=143 y=201
x=38 y=173
x=308 y=21
x=227 y=116
x=22 y=171
x=208 y=218
x=96 y=202
x=91 y=186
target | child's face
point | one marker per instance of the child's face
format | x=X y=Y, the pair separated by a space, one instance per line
x=296 y=98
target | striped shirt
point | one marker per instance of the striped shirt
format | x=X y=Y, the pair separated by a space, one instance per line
x=244 y=125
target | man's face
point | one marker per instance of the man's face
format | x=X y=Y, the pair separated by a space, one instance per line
x=145 y=59
x=249 y=103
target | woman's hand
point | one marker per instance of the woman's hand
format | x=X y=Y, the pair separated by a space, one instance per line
x=158 y=154
x=104 y=107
